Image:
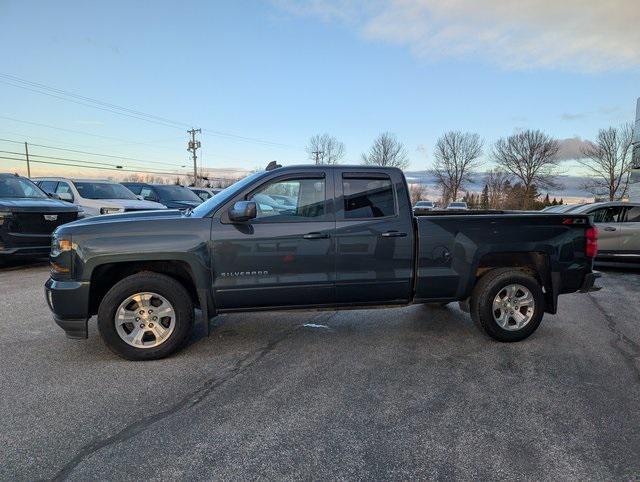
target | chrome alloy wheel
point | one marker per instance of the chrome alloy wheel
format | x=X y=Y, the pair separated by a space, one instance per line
x=513 y=307
x=145 y=320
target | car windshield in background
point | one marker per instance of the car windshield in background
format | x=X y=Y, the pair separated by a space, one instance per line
x=177 y=193
x=458 y=205
x=424 y=204
x=103 y=190
x=225 y=194
x=15 y=187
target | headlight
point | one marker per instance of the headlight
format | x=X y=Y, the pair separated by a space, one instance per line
x=60 y=245
x=4 y=215
x=110 y=210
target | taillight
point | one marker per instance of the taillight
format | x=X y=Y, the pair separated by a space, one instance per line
x=591 y=235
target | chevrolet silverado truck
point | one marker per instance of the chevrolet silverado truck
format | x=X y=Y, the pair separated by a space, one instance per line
x=347 y=239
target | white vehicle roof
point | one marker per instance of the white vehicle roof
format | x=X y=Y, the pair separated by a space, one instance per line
x=53 y=178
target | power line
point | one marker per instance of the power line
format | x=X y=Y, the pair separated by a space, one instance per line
x=96 y=167
x=90 y=99
x=113 y=108
x=177 y=174
x=112 y=156
x=93 y=153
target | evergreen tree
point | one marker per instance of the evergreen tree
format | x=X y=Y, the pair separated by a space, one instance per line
x=546 y=201
x=484 y=201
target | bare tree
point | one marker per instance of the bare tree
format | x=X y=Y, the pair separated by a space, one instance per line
x=497 y=181
x=386 y=151
x=456 y=157
x=530 y=156
x=609 y=162
x=325 y=149
x=417 y=192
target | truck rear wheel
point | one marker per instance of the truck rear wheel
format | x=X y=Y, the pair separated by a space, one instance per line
x=145 y=316
x=507 y=304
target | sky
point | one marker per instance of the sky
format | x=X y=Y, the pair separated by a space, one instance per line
x=261 y=77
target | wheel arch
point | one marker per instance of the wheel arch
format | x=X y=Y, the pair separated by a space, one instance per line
x=535 y=263
x=105 y=275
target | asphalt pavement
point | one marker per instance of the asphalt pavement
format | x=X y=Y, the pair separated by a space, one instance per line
x=414 y=392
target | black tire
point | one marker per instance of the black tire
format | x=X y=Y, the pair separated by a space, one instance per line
x=481 y=303
x=146 y=281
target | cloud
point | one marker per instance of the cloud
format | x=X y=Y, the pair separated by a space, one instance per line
x=578 y=35
x=572 y=148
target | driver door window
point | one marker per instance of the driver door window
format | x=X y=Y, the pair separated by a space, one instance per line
x=291 y=200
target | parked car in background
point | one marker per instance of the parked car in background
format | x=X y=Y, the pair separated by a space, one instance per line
x=28 y=216
x=422 y=207
x=563 y=208
x=170 y=195
x=95 y=196
x=618 y=224
x=205 y=193
x=458 y=205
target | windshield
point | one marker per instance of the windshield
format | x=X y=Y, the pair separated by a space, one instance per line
x=223 y=196
x=424 y=203
x=11 y=186
x=176 y=193
x=103 y=190
x=458 y=205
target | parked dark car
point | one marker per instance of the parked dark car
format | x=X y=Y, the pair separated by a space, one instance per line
x=28 y=216
x=205 y=193
x=171 y=195
x=350 y=240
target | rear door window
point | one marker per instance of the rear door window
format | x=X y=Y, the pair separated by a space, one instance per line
x=632 y=215
x=368 y=197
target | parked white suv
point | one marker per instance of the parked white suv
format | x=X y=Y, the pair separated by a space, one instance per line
x=95 y=196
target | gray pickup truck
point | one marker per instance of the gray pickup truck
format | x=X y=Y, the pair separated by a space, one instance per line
x=310 y=237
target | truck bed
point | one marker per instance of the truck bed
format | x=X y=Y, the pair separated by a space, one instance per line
x=453 y=247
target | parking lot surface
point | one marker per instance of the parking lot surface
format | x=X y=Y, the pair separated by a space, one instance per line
x=391 y=393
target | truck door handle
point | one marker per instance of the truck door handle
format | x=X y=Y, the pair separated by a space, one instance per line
x=316 y=236
x=609 y=228
x=394 y=234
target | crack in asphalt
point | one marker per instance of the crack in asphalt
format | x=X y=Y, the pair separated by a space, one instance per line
x=621 y=338
x=189 y=401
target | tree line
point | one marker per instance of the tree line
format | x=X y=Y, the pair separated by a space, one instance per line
x=525 y=163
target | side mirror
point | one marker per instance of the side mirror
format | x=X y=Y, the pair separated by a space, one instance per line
x=140 y=198
x=65 y=196
x=53 y=195
x=242 y=211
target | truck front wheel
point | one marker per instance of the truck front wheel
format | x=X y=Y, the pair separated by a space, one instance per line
x=507 y=304
x=145 y=316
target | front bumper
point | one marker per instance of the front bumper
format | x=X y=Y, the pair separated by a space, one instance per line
x=69 y=302
x=589 y=282
x=12 y=244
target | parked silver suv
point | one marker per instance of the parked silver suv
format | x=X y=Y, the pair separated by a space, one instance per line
x=618 y=224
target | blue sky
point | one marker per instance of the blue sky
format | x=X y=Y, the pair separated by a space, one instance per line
x=282 y=71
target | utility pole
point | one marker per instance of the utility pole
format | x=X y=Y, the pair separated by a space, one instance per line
x=26 y=154
x=318 y=154
x=193 y=147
